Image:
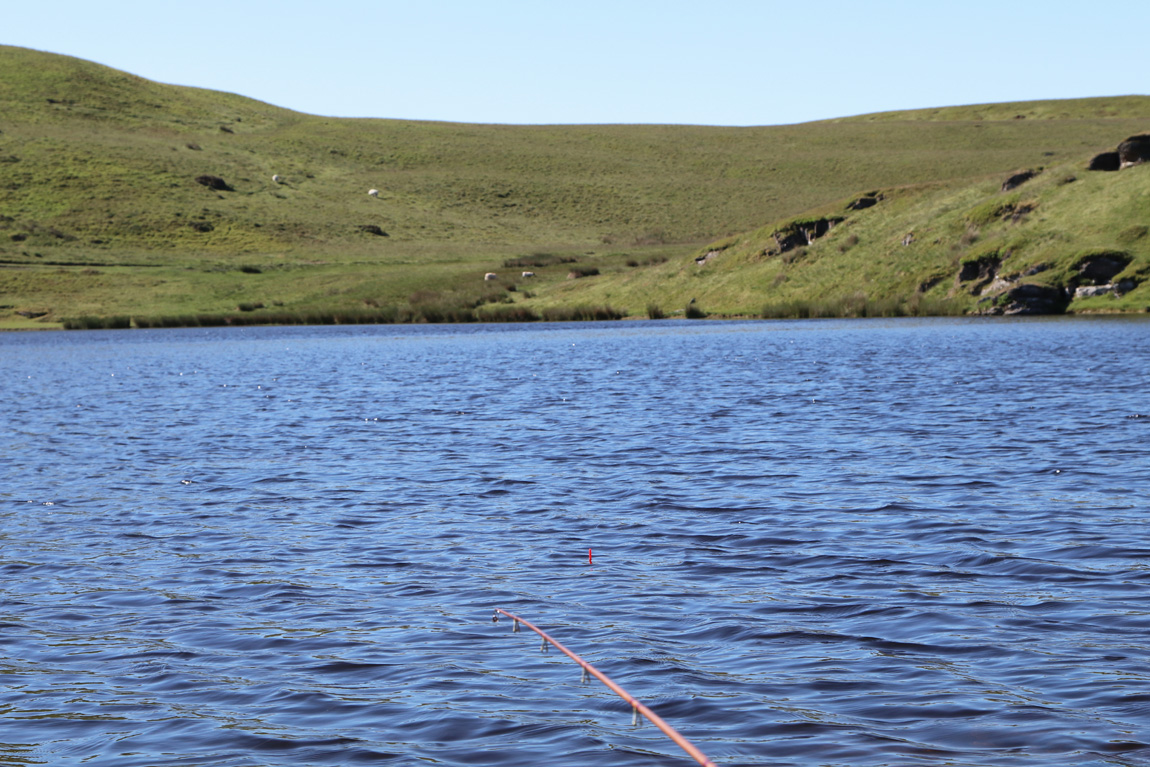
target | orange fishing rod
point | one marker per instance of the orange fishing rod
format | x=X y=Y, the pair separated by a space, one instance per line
x=636 y=707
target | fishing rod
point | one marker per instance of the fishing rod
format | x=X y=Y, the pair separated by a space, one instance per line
x=636 y=707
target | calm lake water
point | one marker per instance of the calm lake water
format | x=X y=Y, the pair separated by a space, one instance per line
x=916 y=542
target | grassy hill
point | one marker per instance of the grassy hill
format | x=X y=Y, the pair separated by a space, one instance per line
x=1066 y=240
x=101 y=213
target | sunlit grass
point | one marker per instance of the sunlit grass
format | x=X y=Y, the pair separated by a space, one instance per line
x=101 y=215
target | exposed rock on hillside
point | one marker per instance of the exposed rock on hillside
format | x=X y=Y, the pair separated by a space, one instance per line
x=1134 y=150
x=1035 y=299
x=1028 y=298
x=1092 y=275
x=1120 y=288
x=868 y=200
x=981 y=269
x=799 y=234
x=214 y=182
x=1018 y=179
x=1104 y=161
x=1101 y=268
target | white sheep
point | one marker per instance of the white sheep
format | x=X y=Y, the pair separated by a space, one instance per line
x=529 y=274
x=491 y=276
x=373 y=193
x=277 y=179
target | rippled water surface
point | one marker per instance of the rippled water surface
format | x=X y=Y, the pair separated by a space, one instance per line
x=820 y=543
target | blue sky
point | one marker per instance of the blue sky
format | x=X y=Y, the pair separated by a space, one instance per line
x=717 y=62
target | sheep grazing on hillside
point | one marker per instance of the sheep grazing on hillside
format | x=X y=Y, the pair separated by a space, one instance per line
x=373 y=192
x=277 y=179
x=529 y=274
x=491 y=276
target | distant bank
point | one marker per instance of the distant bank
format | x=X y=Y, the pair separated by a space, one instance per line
x=129 y=202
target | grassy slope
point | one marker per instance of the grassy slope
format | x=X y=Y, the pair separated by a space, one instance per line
x=863 y=259
x=100 y=213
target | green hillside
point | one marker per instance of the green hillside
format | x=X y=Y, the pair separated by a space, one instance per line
x=1066 y=240
x=101 y=212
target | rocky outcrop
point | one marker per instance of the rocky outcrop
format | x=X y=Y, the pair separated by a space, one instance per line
x=1134 y=151
x=214 y=182
x=868 y=200
x=1018 y=179
x=1117 y=288
x=1092 y=275
x=1089 y=291
x=1104 y=161
x=980 y=269
x=1101 y=268
x=1021 y=211
x=1027 y=298
x=785 y=241
x=799 y=234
